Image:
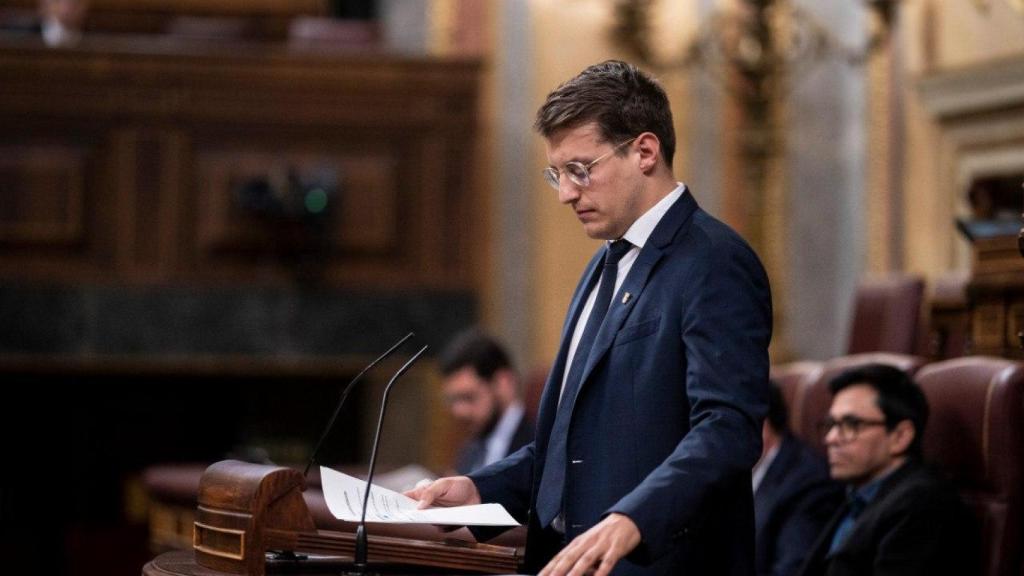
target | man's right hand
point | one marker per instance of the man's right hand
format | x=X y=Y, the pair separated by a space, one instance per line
x=450 y=491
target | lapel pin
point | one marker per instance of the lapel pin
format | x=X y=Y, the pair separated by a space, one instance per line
x=626 y=297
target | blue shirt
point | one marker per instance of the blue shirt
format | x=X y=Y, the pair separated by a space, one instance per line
x=857 y=499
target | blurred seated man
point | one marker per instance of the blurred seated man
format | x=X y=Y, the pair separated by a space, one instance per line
x=483 y=392
x=899 y=517
x=793 y=495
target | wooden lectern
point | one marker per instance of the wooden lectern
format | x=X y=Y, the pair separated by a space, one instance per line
x=247 y=510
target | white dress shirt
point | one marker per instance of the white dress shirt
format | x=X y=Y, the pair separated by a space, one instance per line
x=497 y=443
x=637 y=235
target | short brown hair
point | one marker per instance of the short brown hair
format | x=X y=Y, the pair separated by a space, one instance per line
x=620 y=98
x=476 y=349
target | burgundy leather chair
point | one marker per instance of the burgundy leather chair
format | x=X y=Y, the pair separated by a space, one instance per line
x=817 y=398
x=793 y=378
x=976 y=433
x=886 y=315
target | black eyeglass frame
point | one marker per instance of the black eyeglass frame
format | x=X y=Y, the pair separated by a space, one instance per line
x=848 y=427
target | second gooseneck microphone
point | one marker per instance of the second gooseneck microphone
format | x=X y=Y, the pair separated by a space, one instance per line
x=344 y=395
x=360 y=559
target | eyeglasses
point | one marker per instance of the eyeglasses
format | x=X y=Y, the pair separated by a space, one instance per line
x=847 y=427
x=578 y=172
x=470 y=397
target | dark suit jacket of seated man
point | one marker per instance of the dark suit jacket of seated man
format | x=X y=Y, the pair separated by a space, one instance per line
x=900 y=517
x=659 y=425
x=515 y=430
x=793 y=503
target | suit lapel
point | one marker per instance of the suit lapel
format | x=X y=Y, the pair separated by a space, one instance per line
x=815 y=562
x=868 y=518
x=768 y=492
x=676 y=219
x=784 y=461
x=619 y=309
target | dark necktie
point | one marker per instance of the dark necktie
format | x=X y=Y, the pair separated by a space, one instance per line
x=855 y=504
x=549 y=496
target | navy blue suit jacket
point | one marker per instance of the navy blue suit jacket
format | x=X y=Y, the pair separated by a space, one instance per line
x=792 y=505
x=666 y=424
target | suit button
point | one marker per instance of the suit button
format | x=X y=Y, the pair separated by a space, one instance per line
x=576 y=461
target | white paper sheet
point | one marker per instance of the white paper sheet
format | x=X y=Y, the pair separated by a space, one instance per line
x=344 y=496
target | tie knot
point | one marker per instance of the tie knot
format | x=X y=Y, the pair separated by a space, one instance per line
x=857 y=504
x=616 y=250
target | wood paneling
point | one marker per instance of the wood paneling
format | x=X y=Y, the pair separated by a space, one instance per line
x=140 y=289
x=42 y=188
x=996 y=298
x=218 y=7
x=136 y=151
x=57 y=212
x=360 y=195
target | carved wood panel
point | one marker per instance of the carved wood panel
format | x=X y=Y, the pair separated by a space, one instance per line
x=57 y=213
x=43 y=189
x=201 y=6
x=248 y=198
x=171 y=162
x=125 y=251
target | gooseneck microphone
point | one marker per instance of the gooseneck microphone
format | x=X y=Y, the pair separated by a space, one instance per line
x=344 y=395
x=361 y=545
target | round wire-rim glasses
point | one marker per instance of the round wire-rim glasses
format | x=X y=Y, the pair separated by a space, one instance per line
x=578 y=172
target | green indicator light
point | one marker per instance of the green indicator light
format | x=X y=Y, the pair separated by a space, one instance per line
x=316 y=201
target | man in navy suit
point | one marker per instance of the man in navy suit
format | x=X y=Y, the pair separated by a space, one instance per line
x=794 y=497
x=650 y=420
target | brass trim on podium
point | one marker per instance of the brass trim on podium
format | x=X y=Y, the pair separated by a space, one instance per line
x=198 y=545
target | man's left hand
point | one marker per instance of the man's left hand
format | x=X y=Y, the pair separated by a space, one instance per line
x=597 y=549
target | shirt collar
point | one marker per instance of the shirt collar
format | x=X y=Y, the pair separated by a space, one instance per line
x=867 y=492
x=642 y=229
x=762 y=466
x=509 y=421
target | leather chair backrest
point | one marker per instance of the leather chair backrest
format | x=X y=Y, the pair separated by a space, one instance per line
x=976 y=433
x=886 y=315
x=793 y=379
x=817 y=398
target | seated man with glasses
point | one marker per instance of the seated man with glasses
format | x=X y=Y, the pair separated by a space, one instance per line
x=900 y=517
